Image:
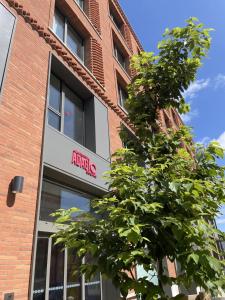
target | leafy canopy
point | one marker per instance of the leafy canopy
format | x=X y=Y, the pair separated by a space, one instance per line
x=165 y=192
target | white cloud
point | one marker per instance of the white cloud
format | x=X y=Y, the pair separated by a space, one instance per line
x=219 y=81
x=187 y=118
x=221 y=139
x=196 y=87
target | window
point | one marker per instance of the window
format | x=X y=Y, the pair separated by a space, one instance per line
x=65 y=110
x=68 y=35
x=55 y=277
x=7 y=23
x=55 y=196
x=127 y=137
x=120 y=57
x=122 y=95
x=80 y=3
x=116 y=22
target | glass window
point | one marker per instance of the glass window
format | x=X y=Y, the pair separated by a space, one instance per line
x=54 y=109
x=59 y=25
x=93 y=286
x=54 y=197
x=120 y=57
x=53 y=120
x=122 y=96
x=74 y=279
x=74 y=42
x=66 y=110
x=40 y=269
x=56 y=282
x=80 y=3
x=116 y=21
x=68 y=34
x=55 y=93
x=73 y=116
x=56 y=268
x=7 y=22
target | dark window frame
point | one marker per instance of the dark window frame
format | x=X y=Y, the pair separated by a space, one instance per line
x=66 y=188
x=120 y=57
x=80 y=4
x=121 y=93
x=63 y=288
x=116 y=22
x=66 y=24
x=46 y=234
x=60 y=114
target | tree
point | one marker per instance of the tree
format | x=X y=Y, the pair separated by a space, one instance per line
x=164 y=192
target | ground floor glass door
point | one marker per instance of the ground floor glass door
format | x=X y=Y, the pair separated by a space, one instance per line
x=56 y=276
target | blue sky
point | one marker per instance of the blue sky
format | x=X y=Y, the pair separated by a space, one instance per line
x=207 y=94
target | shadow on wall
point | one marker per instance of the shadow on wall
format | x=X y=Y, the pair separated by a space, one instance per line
x=11 y=197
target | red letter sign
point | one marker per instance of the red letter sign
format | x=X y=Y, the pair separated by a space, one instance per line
x=82 y=161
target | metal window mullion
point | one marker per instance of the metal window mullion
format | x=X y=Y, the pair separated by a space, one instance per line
x=82 y=49
x=62 y=107
x=116 y=53
x=101 y=286
x=65 y=30
x=54 y=111
x=65 y=273
x=84 y=127
x=48 y=268
x=83 y=283
x=121 y=97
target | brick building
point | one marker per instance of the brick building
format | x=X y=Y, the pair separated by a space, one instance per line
x=64 y=67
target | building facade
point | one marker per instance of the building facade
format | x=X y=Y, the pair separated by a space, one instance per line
x=64 y=68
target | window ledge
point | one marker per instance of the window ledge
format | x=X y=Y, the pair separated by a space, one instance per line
x=122 y=108
x=81 y=63
x=121 y=67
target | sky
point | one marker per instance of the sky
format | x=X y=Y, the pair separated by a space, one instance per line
x=206 y=95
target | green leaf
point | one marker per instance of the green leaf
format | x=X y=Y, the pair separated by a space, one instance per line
x=194 y=257
x=174 y=186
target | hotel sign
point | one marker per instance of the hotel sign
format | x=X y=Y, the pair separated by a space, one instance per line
x=82 y=161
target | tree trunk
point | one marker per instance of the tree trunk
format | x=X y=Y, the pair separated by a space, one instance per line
x=160 y=274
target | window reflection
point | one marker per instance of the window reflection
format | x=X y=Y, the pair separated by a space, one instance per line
x=56 y=283
x=66 y=110
x=40 y=269
x=68 y=34
x=63 y=269
x=58 y=25
x=92 y=286
x=74 y=278
x=73 y=117
x=55 y=197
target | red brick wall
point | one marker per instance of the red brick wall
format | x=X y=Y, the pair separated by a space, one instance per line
x=21 y=126
x=95 y=60
x=92 y=10
x=127 y=36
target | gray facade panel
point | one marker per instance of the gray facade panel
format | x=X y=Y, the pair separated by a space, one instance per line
x=109 y=292
x=101 y=130
x=58 y=150
x=90 y=125
x=7 y=21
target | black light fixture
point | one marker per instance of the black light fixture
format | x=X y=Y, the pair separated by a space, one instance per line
x=17 y=184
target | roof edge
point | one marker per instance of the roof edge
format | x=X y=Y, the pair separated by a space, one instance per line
x=128 y=24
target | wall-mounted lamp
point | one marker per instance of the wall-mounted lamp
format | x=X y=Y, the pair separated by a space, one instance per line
x=17 y=184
